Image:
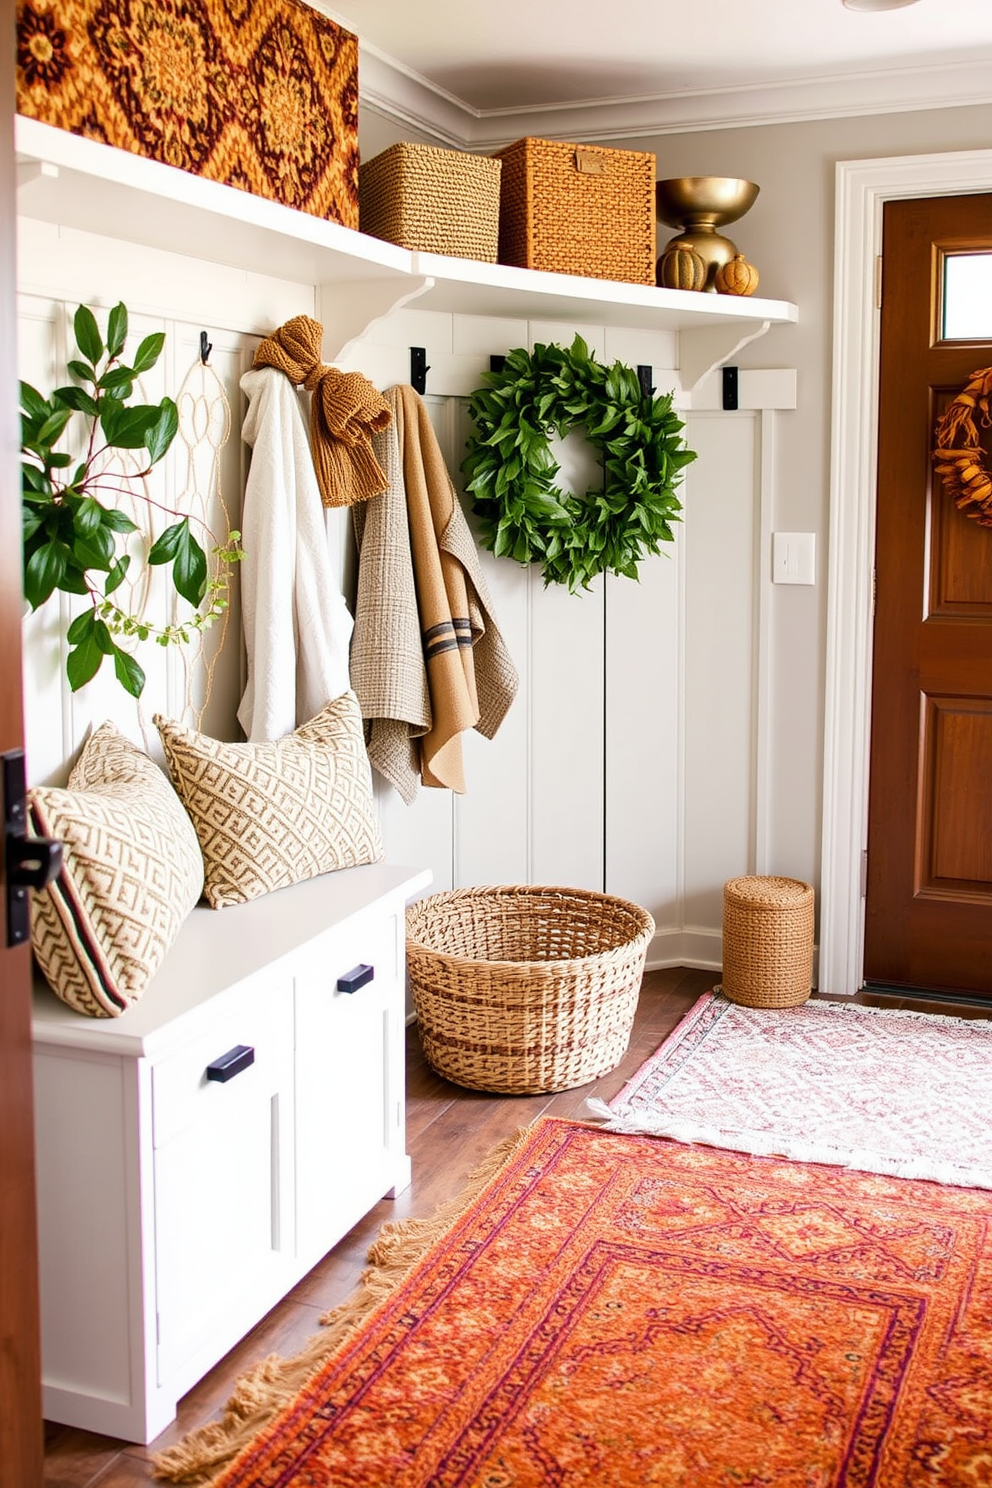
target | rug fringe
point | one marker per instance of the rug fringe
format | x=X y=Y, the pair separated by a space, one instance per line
x=264 y=1390
x=796 y=1149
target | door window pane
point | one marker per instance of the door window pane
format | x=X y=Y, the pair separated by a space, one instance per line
x=967 y=297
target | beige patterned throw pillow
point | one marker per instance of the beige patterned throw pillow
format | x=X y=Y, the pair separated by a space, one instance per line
x=272 y=814
x=131 y=873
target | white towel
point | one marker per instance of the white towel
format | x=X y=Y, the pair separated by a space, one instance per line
x=296 y=624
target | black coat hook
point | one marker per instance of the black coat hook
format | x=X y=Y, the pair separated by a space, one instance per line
x=644 y=378
x=206 y=347
x=418 y=369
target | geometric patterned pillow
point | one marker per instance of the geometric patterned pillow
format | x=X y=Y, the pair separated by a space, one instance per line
x=275 y=813
x=131 y=873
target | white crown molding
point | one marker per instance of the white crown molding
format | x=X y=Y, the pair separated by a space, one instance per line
x=399 y=93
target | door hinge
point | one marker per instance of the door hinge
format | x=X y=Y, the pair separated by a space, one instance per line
x=29 y=862
x=878 y=281
x=864 y=874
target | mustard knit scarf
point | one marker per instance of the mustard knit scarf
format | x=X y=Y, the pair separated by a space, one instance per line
x=345 y=412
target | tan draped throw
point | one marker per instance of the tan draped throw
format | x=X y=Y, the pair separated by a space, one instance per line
x=427 y=658
x=346 y=410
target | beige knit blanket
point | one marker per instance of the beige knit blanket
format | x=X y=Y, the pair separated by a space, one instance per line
x=345 y=411
x=427 y=658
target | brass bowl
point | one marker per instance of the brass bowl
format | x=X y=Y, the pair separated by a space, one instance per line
x=704 y=201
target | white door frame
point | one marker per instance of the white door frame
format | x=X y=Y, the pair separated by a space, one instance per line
x=862 y=189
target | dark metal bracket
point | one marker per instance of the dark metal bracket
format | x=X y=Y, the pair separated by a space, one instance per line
x=644 y=378
x=730 y=388
x=418 y=369
x=206 y=347
x=29 y=862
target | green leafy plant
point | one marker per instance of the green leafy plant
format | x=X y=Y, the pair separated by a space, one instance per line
x=75 y=535
x=511 y=471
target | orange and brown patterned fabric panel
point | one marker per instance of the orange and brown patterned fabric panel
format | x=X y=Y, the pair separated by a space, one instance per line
x=258 y=94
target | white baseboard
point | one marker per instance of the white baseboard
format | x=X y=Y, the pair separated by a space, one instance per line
x=699 y=949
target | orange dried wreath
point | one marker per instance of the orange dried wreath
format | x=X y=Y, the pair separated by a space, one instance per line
x=959 y=456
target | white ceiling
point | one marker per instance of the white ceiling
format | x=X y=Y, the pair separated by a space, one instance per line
x=478 y=68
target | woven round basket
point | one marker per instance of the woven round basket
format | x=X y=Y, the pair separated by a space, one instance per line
x=767 y=941
x=520 y=990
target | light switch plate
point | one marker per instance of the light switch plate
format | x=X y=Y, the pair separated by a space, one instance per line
x=794 y=557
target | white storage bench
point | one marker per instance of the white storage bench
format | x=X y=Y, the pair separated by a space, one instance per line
x=198 y=1155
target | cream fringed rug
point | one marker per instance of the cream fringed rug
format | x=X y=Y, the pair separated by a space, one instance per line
x=882 y=1090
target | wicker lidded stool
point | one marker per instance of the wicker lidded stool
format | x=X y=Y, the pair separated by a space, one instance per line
x=525 y=989
x=767 y=941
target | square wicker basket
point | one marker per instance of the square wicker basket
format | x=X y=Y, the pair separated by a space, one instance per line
x=578 y=209
x=432 y=200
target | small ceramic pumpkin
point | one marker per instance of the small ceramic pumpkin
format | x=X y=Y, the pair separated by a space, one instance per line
x=681 y=267
x=738 y=277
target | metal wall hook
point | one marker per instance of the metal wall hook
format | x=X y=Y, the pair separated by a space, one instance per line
x=644 y=378
x=206 y=347
x=418 y=369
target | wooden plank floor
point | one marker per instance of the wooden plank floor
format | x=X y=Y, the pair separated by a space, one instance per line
x=449 y=1130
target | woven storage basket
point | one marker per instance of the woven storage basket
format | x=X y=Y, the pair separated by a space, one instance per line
x=432 y=200
x=525 y=989
x=578 y=209
x=767 y=941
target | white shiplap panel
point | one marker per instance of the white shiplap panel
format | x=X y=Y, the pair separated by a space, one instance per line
x=567 y=760
x=493 y=818
x=721 y=496
x=643 y=675
x=420 y=834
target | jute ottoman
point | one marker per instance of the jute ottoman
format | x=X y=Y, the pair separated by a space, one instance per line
x=767 y=941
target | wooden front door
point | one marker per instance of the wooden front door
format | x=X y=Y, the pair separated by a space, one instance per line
x=20 y=1371
x=929 y=880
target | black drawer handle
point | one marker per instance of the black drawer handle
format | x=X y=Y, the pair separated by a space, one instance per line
x=355 y=978
x=231 y=1064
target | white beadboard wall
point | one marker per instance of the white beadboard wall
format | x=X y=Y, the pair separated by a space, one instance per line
x=628 y=761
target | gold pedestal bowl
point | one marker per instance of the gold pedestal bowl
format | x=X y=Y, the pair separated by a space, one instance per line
x=699 y=205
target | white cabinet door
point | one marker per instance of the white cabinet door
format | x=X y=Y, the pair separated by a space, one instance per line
x=349 y=1082
x=223 y=1180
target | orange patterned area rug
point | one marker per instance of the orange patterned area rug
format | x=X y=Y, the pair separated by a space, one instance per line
x=616 y=1309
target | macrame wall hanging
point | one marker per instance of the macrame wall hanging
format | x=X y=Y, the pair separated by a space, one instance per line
x=960 y=459
x=194 y=641
x=204 y=428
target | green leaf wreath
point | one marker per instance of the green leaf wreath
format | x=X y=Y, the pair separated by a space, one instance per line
x=73 y=541
x=511 y=471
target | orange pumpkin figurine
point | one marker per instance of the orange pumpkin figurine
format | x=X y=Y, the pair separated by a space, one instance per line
x=738 y=277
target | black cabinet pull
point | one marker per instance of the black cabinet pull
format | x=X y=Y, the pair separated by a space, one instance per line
x=231 y=1064
x=355 y=978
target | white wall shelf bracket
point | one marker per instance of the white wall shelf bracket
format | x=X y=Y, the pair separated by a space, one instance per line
x=703 y=349
x=33 y=170
x=349 y=311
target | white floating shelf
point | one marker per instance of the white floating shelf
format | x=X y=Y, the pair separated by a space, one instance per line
x=99 y=189
x=83 y=184
x=528 y=294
